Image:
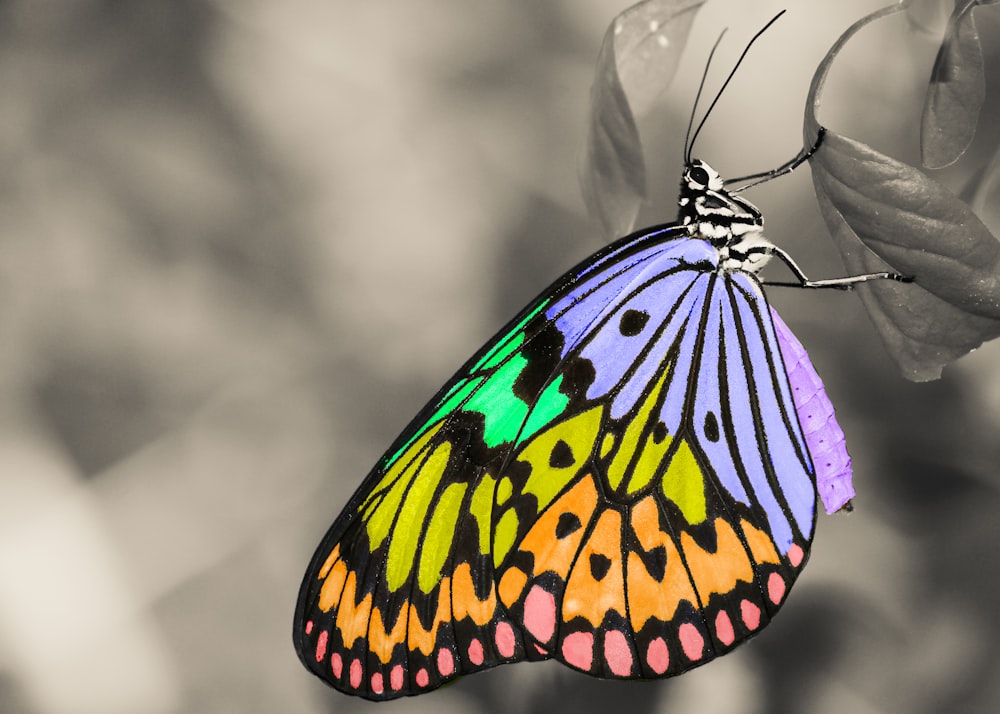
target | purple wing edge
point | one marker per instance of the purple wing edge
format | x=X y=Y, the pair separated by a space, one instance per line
x=823 y=436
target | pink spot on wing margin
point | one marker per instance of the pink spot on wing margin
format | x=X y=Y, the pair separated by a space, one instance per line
x=422 y=679
x=823 y=435
x=724 y=628
x=321 y=645
x=540 y=614
x=658 y=655
x=617 y=653
x=476 y=652
x=775 y=588
x=445 y=662
x=504 y=639
x=750 y=614
x=578 y=650
x=396 y=678
x=692 y=642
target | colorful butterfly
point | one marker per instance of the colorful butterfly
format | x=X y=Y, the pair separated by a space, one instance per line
x=623 y=479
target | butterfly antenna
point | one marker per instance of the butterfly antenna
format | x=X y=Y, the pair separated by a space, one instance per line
x=697 y=97
x=728 y=79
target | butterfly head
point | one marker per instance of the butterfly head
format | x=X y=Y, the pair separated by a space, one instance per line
x=711 y=212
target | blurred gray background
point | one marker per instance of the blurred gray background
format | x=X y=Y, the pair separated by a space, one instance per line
x=242 y=243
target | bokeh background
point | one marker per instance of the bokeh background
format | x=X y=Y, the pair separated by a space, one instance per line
x=242 y=242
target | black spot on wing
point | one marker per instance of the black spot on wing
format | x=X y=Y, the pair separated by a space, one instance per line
x=543 y=353
x=568 y=524
x=599 y=566
x=561 y=456
x=632 y=322
x=711 y=427
x=655 y=561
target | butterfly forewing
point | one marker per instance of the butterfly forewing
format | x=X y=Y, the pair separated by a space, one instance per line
x=617 y=480
x=400 y=595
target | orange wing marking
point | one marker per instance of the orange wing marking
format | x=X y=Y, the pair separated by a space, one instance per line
x=720 y=571
x=466 y=603
x=597 y=584
x=352 y=617
x=655 y=594
x=554 y=539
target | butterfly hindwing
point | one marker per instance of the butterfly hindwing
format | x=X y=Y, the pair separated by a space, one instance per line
x=659 y=537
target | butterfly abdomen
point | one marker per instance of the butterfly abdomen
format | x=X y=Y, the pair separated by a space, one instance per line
x=823 y=435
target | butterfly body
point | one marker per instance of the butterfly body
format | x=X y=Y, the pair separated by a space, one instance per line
x=619 y=479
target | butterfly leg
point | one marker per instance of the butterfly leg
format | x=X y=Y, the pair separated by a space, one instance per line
x=845 y=283
x=785 y=168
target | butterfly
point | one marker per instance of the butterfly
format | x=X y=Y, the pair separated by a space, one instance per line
x=623 y=479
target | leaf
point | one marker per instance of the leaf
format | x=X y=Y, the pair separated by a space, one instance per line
x=649 y=39
x=956 y=92
x=882 y=212
x=914 y=223
x=638 y=59
x=922 y=329
x=613 y=175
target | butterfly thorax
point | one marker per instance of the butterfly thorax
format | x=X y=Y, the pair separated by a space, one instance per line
x=729 y=223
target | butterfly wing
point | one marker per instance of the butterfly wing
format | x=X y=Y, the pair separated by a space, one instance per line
x=401 y=593
x=662 y=522
x=618 y=480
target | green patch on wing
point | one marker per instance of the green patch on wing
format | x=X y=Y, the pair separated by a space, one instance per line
x=495 y=399
x=489 y=390
x=550 y=405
